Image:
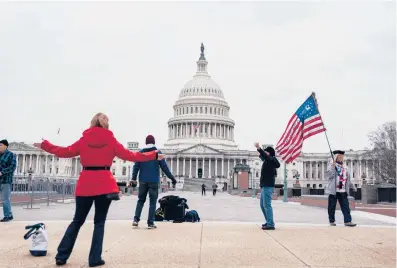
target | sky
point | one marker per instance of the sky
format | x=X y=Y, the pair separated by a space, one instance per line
x=61 y=63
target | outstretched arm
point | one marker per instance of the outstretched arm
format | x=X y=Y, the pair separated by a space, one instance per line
x=166 y=170
x=135 y=170
x=125 y=154
x=63 y=152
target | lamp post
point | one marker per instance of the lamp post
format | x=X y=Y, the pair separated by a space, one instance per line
x=252 y=183
x=285 y=196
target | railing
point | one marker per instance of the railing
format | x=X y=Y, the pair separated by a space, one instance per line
x=39 y=190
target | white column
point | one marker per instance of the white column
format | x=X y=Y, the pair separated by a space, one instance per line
x=17 y=160
x=366 y=168
x=216 y=167
x=224 y=132
x=208 y=129
x=234 y=161
x=222 y=167
x=37 y=164
x=203 y=167
x=23 y=163
x=360 y=169
x=196 y=167
x=177 y=166
x=191 y=130
x=172 y=165
x=184 y=167
x=190 y=168
x=209 y=168
x=53 y=165
x=228 y=166
x=46 y=164
x=351 y=169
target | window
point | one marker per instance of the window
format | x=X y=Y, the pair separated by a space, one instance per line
x=257 y=174
x=320 y=186
x=124 y=171
x=214 y=110
x=57 y=171
x=307 y=175
x=293 y=164
x=319 y=175
x=308 y=185
x=196 y=110
x=210 y=110
x=114 y=171
x=314 y=186
x=114 y=161
x=205 y=109
x=201 y=110
x=354 y=175
x=191 y=110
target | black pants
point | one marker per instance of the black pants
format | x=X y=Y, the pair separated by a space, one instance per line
x=213 y=191
x=203 y=191
x=83 y=206
x=144 y=188
x=344 y=206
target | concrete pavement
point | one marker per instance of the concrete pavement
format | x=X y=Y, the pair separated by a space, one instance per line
x=211 y=244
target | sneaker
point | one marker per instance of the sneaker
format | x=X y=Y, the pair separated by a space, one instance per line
x=59 y=262
x=350 y=224
x=6 y=219
x=332 y=223
x=96 y=264
x=268 y=227
x=151 y=226
x=135 y=224
x=264 y=225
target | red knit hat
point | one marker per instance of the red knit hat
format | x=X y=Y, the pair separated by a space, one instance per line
x=150 y=140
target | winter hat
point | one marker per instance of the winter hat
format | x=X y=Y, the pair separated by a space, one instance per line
x=5 y=142
x=270 y=150
x=150 y=140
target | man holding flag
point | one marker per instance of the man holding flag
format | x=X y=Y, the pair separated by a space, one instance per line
x=305 y=123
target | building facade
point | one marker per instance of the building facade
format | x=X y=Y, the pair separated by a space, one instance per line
x=201 y=145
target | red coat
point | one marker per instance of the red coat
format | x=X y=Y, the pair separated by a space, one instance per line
x=97 y=147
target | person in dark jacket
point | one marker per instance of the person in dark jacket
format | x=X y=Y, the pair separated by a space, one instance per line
x=203 y=189
x=8 y=164
x=97 y=148
x=268 y=176
x=149 y=178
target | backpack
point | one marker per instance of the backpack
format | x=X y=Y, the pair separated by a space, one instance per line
x=192 y=216
x=39 y=242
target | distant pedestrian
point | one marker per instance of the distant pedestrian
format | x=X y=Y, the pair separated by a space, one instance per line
x=214 y=187
x=267 y=180
x=8 y=164
x=96 y=185
x=149 y=180
x=339 y=183
x=203 y=189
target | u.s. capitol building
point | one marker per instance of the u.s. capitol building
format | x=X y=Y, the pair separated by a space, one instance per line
x=201 y=146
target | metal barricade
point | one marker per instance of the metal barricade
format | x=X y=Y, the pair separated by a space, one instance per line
x=32 y=191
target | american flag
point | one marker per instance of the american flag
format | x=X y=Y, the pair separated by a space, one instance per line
x=196 y=126
x=305 y=122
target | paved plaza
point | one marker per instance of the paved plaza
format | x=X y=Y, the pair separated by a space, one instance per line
x=228 y=236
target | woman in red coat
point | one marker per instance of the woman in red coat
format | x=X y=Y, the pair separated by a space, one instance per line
x=97 y=148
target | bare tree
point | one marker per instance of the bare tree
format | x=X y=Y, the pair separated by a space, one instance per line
x=383 y=152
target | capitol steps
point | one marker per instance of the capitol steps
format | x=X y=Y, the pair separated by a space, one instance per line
x=194 y=184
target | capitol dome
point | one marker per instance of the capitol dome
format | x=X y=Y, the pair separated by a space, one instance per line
x=201 y=114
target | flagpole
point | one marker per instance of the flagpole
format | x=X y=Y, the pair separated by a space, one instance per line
x=285 y=195
x=325 y=132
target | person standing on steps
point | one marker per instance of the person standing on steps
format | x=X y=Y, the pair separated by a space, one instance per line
x=267 y=180
x=149 y=179
x=339 y=183
x=96 y=185
x=8 y=164
x=214 y=187
x=203 y=189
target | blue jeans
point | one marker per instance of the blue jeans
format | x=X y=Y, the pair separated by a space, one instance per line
x=83 y=207
x=344 y=206
x=266 y=205
x=5 y=190
x=144 y=188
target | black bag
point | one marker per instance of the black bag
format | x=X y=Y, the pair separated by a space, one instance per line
x=113 y=196
x=174 y=212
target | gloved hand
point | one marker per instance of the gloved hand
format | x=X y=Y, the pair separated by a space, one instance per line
x=133 y=183
x=173 y=183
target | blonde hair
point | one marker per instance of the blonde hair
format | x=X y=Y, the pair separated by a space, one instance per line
x=100 y=120
x=339 y=158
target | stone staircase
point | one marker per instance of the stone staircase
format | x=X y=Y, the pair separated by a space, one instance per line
x=194 y=184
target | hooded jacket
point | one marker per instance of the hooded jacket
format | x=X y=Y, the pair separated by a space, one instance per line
x=269 y=166
x=150 y=171
x=97 y=147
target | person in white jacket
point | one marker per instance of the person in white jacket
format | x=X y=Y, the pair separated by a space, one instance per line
x=339 y=183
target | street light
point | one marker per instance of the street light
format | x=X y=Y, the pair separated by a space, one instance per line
x=285 y=195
